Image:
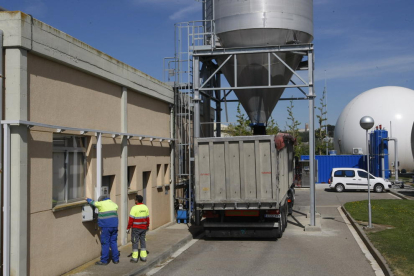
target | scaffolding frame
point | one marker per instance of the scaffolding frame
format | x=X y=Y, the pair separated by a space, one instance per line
x=304 y=49
x=195 y=46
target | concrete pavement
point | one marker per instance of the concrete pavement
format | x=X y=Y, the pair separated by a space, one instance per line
x=161 y=244
x=333 y=251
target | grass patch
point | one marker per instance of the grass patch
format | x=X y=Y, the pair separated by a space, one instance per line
x=397 y=244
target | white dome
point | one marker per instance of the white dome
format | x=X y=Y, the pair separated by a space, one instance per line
x=383 y=104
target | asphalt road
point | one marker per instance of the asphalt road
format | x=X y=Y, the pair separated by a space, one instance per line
x=333 y=251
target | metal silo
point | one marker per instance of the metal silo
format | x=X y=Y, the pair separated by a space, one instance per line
x=261 y=23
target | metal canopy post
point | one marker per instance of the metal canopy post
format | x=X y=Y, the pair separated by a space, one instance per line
x=98 y=165
x=311 y=140
x=6 y=202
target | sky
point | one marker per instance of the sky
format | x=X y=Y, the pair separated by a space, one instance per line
x=359 y=45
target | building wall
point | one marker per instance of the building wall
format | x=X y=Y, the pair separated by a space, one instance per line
x=147 y=156
x=148 y=116
x=61 y=95
x=64 y=96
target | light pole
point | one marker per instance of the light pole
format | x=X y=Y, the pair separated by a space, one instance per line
x=367 y=123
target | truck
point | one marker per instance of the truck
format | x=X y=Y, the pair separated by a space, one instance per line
x=244 y=185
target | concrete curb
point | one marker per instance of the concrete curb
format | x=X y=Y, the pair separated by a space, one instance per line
x=399 y=195
x=374 y=252
x=165 y=255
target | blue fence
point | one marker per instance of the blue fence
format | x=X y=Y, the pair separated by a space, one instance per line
x=325 y=164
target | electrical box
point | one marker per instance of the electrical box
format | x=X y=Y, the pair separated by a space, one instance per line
x=87 y=213
x=105 y=190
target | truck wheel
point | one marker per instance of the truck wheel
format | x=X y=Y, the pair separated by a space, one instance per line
x=281 y=227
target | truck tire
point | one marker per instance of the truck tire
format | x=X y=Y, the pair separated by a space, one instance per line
x=281 y=227
x=285 y=216
x=290 y=204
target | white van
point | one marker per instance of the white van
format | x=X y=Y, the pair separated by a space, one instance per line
x=356 y=179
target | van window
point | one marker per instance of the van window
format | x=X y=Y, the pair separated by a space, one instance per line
x=339 y=173
x=364 y=175
x=349 y=173
x=344 y=173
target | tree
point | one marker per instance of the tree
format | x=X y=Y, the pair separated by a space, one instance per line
x=272 y=127
x=292 y=128
x=242 y=128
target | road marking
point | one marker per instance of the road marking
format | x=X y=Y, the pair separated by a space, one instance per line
x=377 y=269
x=173 y=256
x=391 y=194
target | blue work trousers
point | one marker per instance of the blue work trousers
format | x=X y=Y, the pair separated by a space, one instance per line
x=109 y=236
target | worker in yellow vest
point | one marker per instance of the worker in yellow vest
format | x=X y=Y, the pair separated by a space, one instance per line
x=139 y=221
x=108 y=222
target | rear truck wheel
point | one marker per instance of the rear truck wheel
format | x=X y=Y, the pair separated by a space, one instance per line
x=285 y=217
x=378 y=188
x=281 y=226
x=339 y=188
x=290 y=203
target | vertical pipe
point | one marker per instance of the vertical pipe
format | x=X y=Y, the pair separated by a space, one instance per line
x=172 y=160
x=311 y=140
x=369 y=186
x=6 y=202
x=395 y=157
x=124 y=167
x=98 y=165
x=1 y=113
x=218 y=118
x=218 y=106
x=382 y=158
x=269 y=70
x=225 y=106
x=196 y=84
x=235 y=70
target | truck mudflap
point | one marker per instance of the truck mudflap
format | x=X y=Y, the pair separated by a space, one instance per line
x=241 y=230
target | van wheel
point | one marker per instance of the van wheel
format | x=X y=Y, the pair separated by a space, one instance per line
x=339 y=188
x=378 y=188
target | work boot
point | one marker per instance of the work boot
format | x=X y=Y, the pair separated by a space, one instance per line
x=143 y=255
x=116 y=262
x=100 y=263
x=133 y=260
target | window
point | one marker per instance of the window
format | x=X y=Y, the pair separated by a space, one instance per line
x=363 y=174
x=146 y=179
x=159 y=176
x=166 y=175
x=131 y=177
x=344 y=173
x=68 y=168
x=349 y=173
x=107 y=185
